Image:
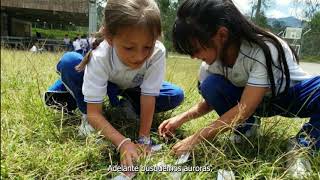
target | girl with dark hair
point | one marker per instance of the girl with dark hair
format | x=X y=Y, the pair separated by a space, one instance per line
x=246 y=71
x=129 y=62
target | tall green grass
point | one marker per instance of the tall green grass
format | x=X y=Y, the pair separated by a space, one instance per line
x=37 y=142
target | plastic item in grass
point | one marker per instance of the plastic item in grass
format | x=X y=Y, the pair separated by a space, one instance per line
x=122 y=176
x=225 y=175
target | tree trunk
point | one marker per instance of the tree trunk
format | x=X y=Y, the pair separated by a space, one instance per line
x=258 y=9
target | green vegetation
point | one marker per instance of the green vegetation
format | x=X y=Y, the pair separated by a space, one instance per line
x=56 y=33
x=40 y=143
x=314 y=59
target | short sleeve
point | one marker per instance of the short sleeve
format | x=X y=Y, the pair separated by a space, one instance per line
x=155 y=72
x=203 y=72
x=95 y=81
x=258 y=75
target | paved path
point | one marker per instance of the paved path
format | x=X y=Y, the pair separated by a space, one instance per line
x=311 y=68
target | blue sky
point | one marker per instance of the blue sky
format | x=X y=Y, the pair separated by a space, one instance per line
x=278 y=8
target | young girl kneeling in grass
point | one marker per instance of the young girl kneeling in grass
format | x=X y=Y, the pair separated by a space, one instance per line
x=130 y=62
x=247 y=71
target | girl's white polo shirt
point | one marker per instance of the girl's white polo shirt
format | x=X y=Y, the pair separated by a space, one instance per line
x=105 y=66
x=250 y=67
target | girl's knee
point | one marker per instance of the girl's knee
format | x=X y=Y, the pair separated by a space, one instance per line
x=68 y=61
x=178 y=96
x=211 y=85
x=170 y=97
x=173 y=91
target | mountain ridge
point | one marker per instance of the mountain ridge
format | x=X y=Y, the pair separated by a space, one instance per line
x=289 y=21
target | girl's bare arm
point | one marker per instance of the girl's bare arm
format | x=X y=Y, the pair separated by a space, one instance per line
x=250 y=99
x=100 y=123
x=147 y=106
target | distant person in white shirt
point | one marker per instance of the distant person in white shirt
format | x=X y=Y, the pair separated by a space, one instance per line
x=77 y=46
x=129 y=62
x=66 y=39
x=67 y=42
x=84 y=44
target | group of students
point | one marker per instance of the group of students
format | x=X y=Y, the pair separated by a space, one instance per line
x=247 y=73
x=80 y=44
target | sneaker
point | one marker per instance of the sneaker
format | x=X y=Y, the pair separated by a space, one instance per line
x=298 y=166
x=85 y=129
x=238 y=137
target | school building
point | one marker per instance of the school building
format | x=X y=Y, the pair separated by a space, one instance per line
x=17 y=15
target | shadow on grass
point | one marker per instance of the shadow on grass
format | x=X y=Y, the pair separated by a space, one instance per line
x=129 y=127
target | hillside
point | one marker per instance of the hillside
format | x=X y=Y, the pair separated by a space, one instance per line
x=287 y=21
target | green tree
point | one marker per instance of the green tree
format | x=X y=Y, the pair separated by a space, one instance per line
x=315 y=22
x=100 y=11
x=259 y=6
x=168 y=10
x=311 y=38
x=258 y=9
x=262 y=21
x=309 y=7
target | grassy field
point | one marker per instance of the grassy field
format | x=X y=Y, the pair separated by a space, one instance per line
x=313 y=59
x=40 y=143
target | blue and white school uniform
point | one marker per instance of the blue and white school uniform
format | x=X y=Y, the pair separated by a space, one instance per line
x=105 y=66
x=105 y=74
x=222 y=88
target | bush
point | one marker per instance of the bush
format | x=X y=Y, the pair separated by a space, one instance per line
x=56 y=33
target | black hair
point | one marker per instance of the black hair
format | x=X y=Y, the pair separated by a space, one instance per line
x=200 y=20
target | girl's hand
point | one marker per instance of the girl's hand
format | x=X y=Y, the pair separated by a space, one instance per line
x=128 y=154
x=185 y=145
x=144 y=149
x=167 y=128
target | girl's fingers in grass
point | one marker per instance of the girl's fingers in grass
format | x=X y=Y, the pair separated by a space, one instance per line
x=170 y=134
x=184 y=146
x=134 y=156
x=162 y=128
x=123 y=159
x=129 y=160
x=144 y=150
x=178 y=148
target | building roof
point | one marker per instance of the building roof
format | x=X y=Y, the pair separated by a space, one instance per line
x=50 y=11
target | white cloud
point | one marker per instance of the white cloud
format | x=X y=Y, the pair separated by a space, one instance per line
x=276 y=14
x=242 y=5
x=280 y=8
x=297 y=12
x=283 y=2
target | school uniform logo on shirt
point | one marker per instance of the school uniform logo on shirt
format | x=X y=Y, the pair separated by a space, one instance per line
x=138 y=79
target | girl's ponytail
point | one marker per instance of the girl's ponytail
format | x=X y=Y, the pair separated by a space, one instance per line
x=81 y=66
